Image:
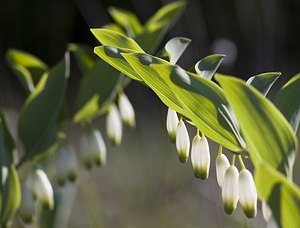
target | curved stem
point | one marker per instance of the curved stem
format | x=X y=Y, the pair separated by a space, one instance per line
x=220 y=149
x=233 y=160
x=241 y=162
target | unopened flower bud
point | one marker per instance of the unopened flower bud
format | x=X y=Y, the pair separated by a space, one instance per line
x=41 y=188
x=85 y=152
x=182 y=142
x=172 y=122
x=61 y=160
x=266 y=211
x=126 y=110
x=230 y=190
x=247 y=193
x=98 y=147
x=200 y=157
x=72 y=163
x=114 y=125
x=27 y=205
x=222 y=164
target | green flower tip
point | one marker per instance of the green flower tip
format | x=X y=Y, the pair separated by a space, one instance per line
x=201 y=173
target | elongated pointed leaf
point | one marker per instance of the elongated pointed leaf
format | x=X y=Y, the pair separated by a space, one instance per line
x=196 y=98
x=115 y=27
x=208 y=66
x=268 y=135
x=126 y=19
x=39 y=114
x=175 y=47
x=27 y=67
x=97 y=90
x=288 y=101
x=263 y=82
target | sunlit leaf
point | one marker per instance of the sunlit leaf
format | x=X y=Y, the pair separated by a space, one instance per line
x=115 y=27
x=263 y=82
x=175 y=47
x=208 y=66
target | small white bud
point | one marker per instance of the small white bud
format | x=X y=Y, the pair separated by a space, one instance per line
x=72 y=163
x=27 y=205
x=182 y=142
x=222 y=164
x=247 y=193
x=126 y=110
x=200 y=157
x=114 y=125
x=61 y=160
x=85 y=152
x=98 y=147
x=41 y=188
x=172 y=122
x=266 y=211
x=230 y=190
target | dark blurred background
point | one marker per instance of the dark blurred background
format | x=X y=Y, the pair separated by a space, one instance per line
x=143 y=184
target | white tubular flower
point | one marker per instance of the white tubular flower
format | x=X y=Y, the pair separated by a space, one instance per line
x=126 y=110
x=182 y=142
x=172 y=122
x=200 y=157
x=222 y=164
x=247 y=193
x=61 y=161
x=114 y=125
x=27 y=205
x=85 y=152
x=266 y=211
x=41 y=188
x=98 y=147
x=230 y=190
x=72 y=163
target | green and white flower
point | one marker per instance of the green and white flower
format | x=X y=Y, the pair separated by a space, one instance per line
x=230 y=190
x=266 y=211
x=222 y=164
x=200 y=157
x=85 y=151
x=126 y=110
x=114 y=125
x=172 y=122
x=27 y=205
x=182 y=142
x=97 y=147
x=72 y=163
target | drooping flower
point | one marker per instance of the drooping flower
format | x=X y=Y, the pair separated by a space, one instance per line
x=85 y=151
x=222 y=164
x=114 y=125
x=247 y=193
x=266 y=211
x=72 y=163
x=61 y=161
x=27 y=205
x=172 y=122
x=97 y=147
x=126 y=110
x=182 y=142
x=40 y=187
x=200 y=157
x=230 y=190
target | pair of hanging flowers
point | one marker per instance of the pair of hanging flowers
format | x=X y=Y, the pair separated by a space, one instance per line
x=236 y=186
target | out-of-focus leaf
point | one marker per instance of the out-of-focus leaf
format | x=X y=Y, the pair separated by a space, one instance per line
x=126 y=19
x=115 y=27
x=97 y=90
x=288 y=101
x=263 y=82
x=175 y=47
x=84 y=55
x=196 y=98
x=39 y=114
x=268 y=135
x=115 y=39
x=9 y=187
x=27 y=67
x=208 y=66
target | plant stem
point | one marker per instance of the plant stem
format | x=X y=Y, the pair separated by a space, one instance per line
x=220 y=150
x=241 y=162
x=233 y=160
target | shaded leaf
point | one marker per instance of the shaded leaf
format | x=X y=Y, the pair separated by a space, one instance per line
x=208 y=66
x=263 y=82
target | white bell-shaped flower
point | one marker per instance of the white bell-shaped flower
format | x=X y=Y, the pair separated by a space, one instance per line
x=72 y=163
x=114 y=125
x=230 y=190
x=27 y=205
x=200 y=157
x=97 y=146
x=85 y=152
x=126 y=110
x=222 y=164
x=247 y=193
x=266 y=211
x=41 y=188
x=172 y=122
x=182 y=142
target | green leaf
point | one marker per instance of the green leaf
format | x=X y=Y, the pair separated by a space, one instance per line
x=288 y=102
x=126 y=19
x=175 y=47
x=97 y=90
x=196 y=98
x=263 y=82
x=113 y=56
x=27 y=67
x=208 y=66
x=115 y=27
x=10 y=187
x=39 y=114
x=268 y=135
x=115 y=39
